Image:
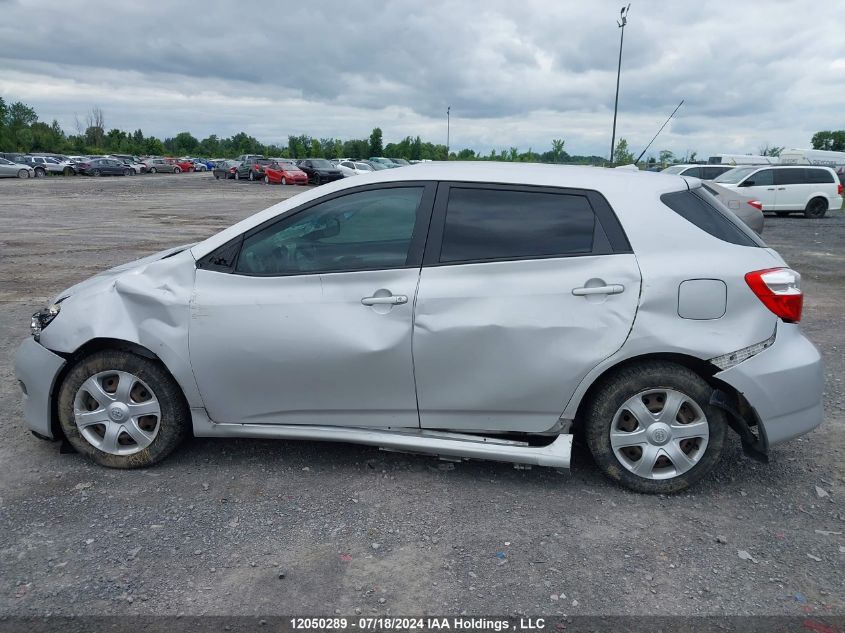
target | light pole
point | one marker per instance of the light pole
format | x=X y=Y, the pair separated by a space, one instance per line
x=623 y=15
x=448 y=109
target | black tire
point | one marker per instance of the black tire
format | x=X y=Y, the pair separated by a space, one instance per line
x=629 y=381
x=23 y=173
x=816 y=208
x=251 y=176
x=96 y=172
x=40 y=173
x=216 y=177
x=153 y=170
x=317 y=180
x=175 y=422
x=126 y=172
x=781 y=214
x=177 y=170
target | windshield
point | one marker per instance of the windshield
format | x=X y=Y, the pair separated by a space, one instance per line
x=363 y=167
x=321 y=163
x=733 y=176
x=674 y=169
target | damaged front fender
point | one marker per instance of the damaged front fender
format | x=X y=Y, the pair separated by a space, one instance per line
x=146 y=303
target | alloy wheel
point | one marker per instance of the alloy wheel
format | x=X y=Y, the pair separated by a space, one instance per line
x=117 y=412
x=659 y=434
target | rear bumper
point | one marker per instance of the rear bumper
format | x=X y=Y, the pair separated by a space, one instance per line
x=784 y=384
x=36 y=368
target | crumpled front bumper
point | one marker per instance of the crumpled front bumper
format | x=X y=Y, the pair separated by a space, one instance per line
x=784 y=384
x=36 y=368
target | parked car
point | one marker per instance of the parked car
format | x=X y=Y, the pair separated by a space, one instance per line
x=784 y=189
x=319 y=170
x=200 y=165
x=352 y=168
x=746 y=209
x=384 y=162
x=252 y=169
x=375 y=165
x=183 y=164
x=284 y=172
x=245 y=157
x=103 y=167
x=156 y=165
x=8 y=169
x=44 y=165
x=399 y=162
x=136 y=166
x=462 y=310
x=702 y=172
x=225 y=169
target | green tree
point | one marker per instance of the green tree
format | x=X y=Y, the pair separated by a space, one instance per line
x=833 y=141
x=557 y=150
x=621 y=156
x=376 y=143
x=666 y=157
x=770 y=150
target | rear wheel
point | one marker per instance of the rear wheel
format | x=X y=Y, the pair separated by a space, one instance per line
x=23 y=173
x=266 y=180
x=96 y=172
x=651 y=428
x=816 y=208
x=122 y=410
x=126 y=172
x=40 y=173
x=177 y=170
x=153 y=170
x=317 y=180
x=284 y=180
x=237 y=176
x=251 y=176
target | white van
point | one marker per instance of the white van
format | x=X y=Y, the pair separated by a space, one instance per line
x=784 y=189
x=742 y=159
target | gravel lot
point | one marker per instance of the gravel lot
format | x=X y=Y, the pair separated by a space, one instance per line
x=262 y=527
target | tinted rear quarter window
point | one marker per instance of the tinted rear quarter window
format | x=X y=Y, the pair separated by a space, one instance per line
x=819 y=176
x=491 y=224
x=703 y=210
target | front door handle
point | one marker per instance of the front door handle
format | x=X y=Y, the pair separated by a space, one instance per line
x=611 y=289
x=781 y=188
x=392 y=300
x=770 y=189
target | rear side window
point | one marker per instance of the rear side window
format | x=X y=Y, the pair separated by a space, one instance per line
x=819 y=176
x=694 y=172
x=790 y=176
x=491 y=224
x=707 y=213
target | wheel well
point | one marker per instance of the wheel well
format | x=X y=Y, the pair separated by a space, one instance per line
x=701 y=367
x=822 y=198
x=92 y=346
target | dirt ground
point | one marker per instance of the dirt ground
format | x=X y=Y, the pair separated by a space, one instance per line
x=262 y=527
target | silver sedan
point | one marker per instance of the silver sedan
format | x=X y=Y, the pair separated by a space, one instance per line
x=8 y=169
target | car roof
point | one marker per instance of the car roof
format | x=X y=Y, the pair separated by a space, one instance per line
x=621 y=187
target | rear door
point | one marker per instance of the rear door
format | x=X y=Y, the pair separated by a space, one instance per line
x=523 y=291
x=793 y=188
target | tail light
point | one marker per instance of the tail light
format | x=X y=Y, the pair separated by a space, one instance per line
x=232 y=170
x=839 y=188
x=756 y=204
x=779 y=290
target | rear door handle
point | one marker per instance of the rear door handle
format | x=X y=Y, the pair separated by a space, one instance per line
x=392 y=300
x=781 y=188
x=770 y=189
x=612 y=289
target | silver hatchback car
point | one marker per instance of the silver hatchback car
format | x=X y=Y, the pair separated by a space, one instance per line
x=483 y=310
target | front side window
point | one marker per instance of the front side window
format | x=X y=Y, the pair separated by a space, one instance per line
x=491 y=224
x=763 y=178
x=366 y=230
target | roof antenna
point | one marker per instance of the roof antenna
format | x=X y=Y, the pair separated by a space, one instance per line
x=659 y=131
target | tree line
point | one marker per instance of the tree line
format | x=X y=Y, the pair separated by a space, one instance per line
x=21 y=131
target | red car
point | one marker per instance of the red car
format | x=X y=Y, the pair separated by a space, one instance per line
x=183 y=165
x=284 y=173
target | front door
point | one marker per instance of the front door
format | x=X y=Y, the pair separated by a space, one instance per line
x=761 y=186
x=311 y=320
x=523 y=291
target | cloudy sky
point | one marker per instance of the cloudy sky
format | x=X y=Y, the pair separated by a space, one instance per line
x=514 y=73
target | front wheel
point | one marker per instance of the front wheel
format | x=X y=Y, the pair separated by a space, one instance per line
x=177 y=170
x=266 y=180
x=317 y=180
x=816 y=208
x=122 y=410
x=237 y=176
x=126 y=172
x=651 y=427
x=23 y=173
x=153 y=170
x=96 y=172
x=284 y=180
x=40 y=173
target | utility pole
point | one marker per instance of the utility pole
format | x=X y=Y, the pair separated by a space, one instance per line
x=448 y=109
x=623 y=15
